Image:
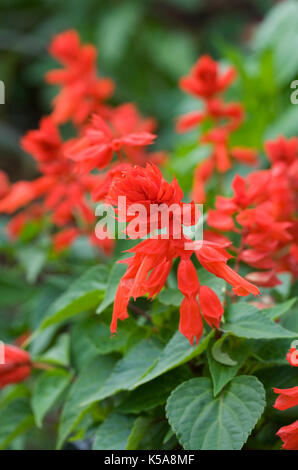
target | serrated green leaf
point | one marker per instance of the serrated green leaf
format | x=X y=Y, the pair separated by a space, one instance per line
x=85 y=293
x=128 y=370
x=175 y=353
x=47 y=390
x=203 y=422
x=113 y=433
x=221 y=374
x=88 y=381
x=246 y=321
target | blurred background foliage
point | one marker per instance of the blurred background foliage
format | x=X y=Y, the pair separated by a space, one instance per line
x=145 y=46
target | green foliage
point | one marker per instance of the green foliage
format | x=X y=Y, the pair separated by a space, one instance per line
x=203 y=422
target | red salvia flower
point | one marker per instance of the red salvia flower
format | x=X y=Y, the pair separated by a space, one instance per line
x=205 y=79
x=17 y=365
x=206 y=82
x=96 y=148
x=4 y=184
x=289 y=436
x=288 y=397
x=64 y=238
x=151 y=262
x=82 y=93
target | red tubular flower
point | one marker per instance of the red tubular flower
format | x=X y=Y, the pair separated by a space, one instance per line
x=206 y=82
x=65 y=238
x=282 y=150
x=289 y=436
x=4 y=184
x=17 y=366
x=82 y=93
x=46 y=146
x=288 y=397
x=264 y=207
x=23 y=192
x=292 y=357
x=191 y=323
x=17 y=223
x=205 y=79
x=96 y=148
x=211 y=307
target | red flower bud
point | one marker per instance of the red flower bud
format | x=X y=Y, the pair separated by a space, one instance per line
x=16 y=367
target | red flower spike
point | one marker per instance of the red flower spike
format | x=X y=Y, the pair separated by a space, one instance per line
x=82 y=92
x=289 y=436
x=150 y=264
x=288 y=398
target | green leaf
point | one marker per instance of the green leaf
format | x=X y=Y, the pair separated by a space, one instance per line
x=222 y=356
x=280 y=309
x=176 y=352
x=88 y=382
x=246 y=321
x=276 y=24
x=47 y=390
x=284 y=288
x=221 y=374
x=128 y=370
x=113 y=433
x=203 y=422
x=153 y=394
x=170 y=297
x=116 y=28
x=271 y=351
x=15 y=419
x=84 y=294
x=285 y=124
x=82 y=348
x=217 y=284
x=59 y=354
x=100 y=335
x=116 y=274
x=33 y=260
x=138 y=432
